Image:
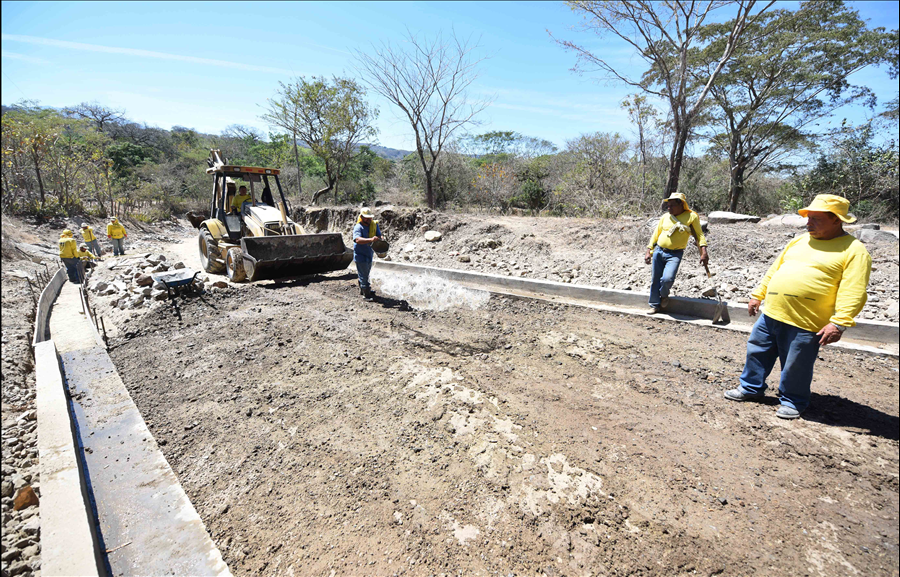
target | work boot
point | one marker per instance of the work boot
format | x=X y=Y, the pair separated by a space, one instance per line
x=362 y=291
x=370 y=295
x=664 y=303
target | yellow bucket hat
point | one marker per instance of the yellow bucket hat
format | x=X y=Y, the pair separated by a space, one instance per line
x=837 y=205
x=679 y=196
x=66 y=232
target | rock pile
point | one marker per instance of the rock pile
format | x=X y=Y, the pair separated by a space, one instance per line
x=133 y=285
x=20 y=490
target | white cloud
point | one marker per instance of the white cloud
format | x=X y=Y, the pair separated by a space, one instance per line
x=140 y=53
x=23 y=58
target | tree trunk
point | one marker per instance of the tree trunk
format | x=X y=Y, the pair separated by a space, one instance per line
x=429 y=189
x=675 y=163
x=322 y=192
x=299 y=173
x=737 y=188
x=37 y=171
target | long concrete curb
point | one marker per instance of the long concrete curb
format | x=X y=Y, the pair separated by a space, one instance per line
x=865 y=332
x=145 y=521
x=69 y=544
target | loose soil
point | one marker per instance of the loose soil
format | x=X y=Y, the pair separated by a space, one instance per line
x=317 y=433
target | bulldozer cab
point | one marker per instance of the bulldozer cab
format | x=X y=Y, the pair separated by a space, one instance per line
x=260 y=184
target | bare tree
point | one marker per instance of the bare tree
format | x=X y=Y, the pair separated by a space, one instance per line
x=662 y=33
x=97 y=113
x=429 y=81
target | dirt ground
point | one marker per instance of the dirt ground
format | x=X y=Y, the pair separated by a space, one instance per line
x=318 y=434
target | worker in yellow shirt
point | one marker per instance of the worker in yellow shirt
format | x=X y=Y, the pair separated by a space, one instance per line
x=812 y=292
x=240 y=198
x=68 y=250
x=115 y=232
x=87 y=232
x=674 y=230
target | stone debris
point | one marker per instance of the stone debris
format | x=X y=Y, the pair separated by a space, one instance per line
x=788 y=220
x=25 y=498
x=432 y=236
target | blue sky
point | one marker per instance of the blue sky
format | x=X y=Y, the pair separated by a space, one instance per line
x=206 y=66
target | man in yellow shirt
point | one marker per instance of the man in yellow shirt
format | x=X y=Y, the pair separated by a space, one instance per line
x=91 y=239
x=68 y=250
x=239 y=199
x=115 y=232
x=670 y=238
x=812 y=292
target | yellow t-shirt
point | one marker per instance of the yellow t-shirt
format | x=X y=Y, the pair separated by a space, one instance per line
x=88 y=234
x=238 y=200
x=678 y=240
x=67 y=247
x=814 y=282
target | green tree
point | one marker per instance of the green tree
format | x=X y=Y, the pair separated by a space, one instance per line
x=331 y=118
x=663 y=34
x=791 y=72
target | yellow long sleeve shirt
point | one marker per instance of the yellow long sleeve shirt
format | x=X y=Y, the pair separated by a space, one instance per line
x=88 y=234
x=67 y=247
x=814 y=282
x=677 y=240
x=115 y=230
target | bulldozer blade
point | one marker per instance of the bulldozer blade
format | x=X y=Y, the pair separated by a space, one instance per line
x=270 y=257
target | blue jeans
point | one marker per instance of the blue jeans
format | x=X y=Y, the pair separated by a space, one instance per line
x=94 y=245
x=72 y=270
x=118 y=246
x=362 y=271
x=665 y=265
x=797 y=350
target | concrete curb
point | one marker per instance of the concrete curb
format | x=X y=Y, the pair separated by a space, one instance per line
x=69 y=544
x=42 y=312
x=865 y=332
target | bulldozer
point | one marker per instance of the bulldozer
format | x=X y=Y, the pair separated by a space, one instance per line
x=257 y=240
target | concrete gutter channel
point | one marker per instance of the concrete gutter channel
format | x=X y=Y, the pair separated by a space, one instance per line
x=878 y=338
x=110 y=502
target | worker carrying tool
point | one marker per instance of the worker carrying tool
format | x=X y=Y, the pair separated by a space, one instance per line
x=87 y=232
x=365 y=233
x=115 y=232
x=667 y=245
x=812 y=292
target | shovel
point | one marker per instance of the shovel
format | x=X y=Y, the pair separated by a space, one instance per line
x=720 y=307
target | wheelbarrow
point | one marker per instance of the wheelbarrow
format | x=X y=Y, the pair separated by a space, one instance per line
x=177 y=281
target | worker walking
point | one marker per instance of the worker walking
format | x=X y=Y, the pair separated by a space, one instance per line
x=812 y=292
x=365 y=233
x=68 y=250
x=667 y=245
x=87 y=232
x=115 y=232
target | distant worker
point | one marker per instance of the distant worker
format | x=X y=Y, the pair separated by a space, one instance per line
x=88 y=233
x=115 y=232
x=365 y=233
x=812 y=292
x=239 y=199
x=667 y=247
x=267 y=197
x=68 y=251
